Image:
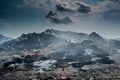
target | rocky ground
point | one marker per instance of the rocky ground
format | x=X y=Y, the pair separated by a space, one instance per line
x=104 y=72
x=51 y=69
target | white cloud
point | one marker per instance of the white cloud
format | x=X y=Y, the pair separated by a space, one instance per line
x=107 y=5
x=103 y=6
x=75 y=6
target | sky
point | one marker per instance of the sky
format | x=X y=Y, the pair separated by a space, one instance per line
x=86 y=16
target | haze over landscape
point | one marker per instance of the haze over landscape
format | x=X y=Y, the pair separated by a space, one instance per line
x=59 y=39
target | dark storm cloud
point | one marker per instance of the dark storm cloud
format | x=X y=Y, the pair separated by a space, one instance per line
x=63 y=7
x=31 y=10
x=57 y=18
x=59 y=6
x=75 y=6
x=83 y=8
